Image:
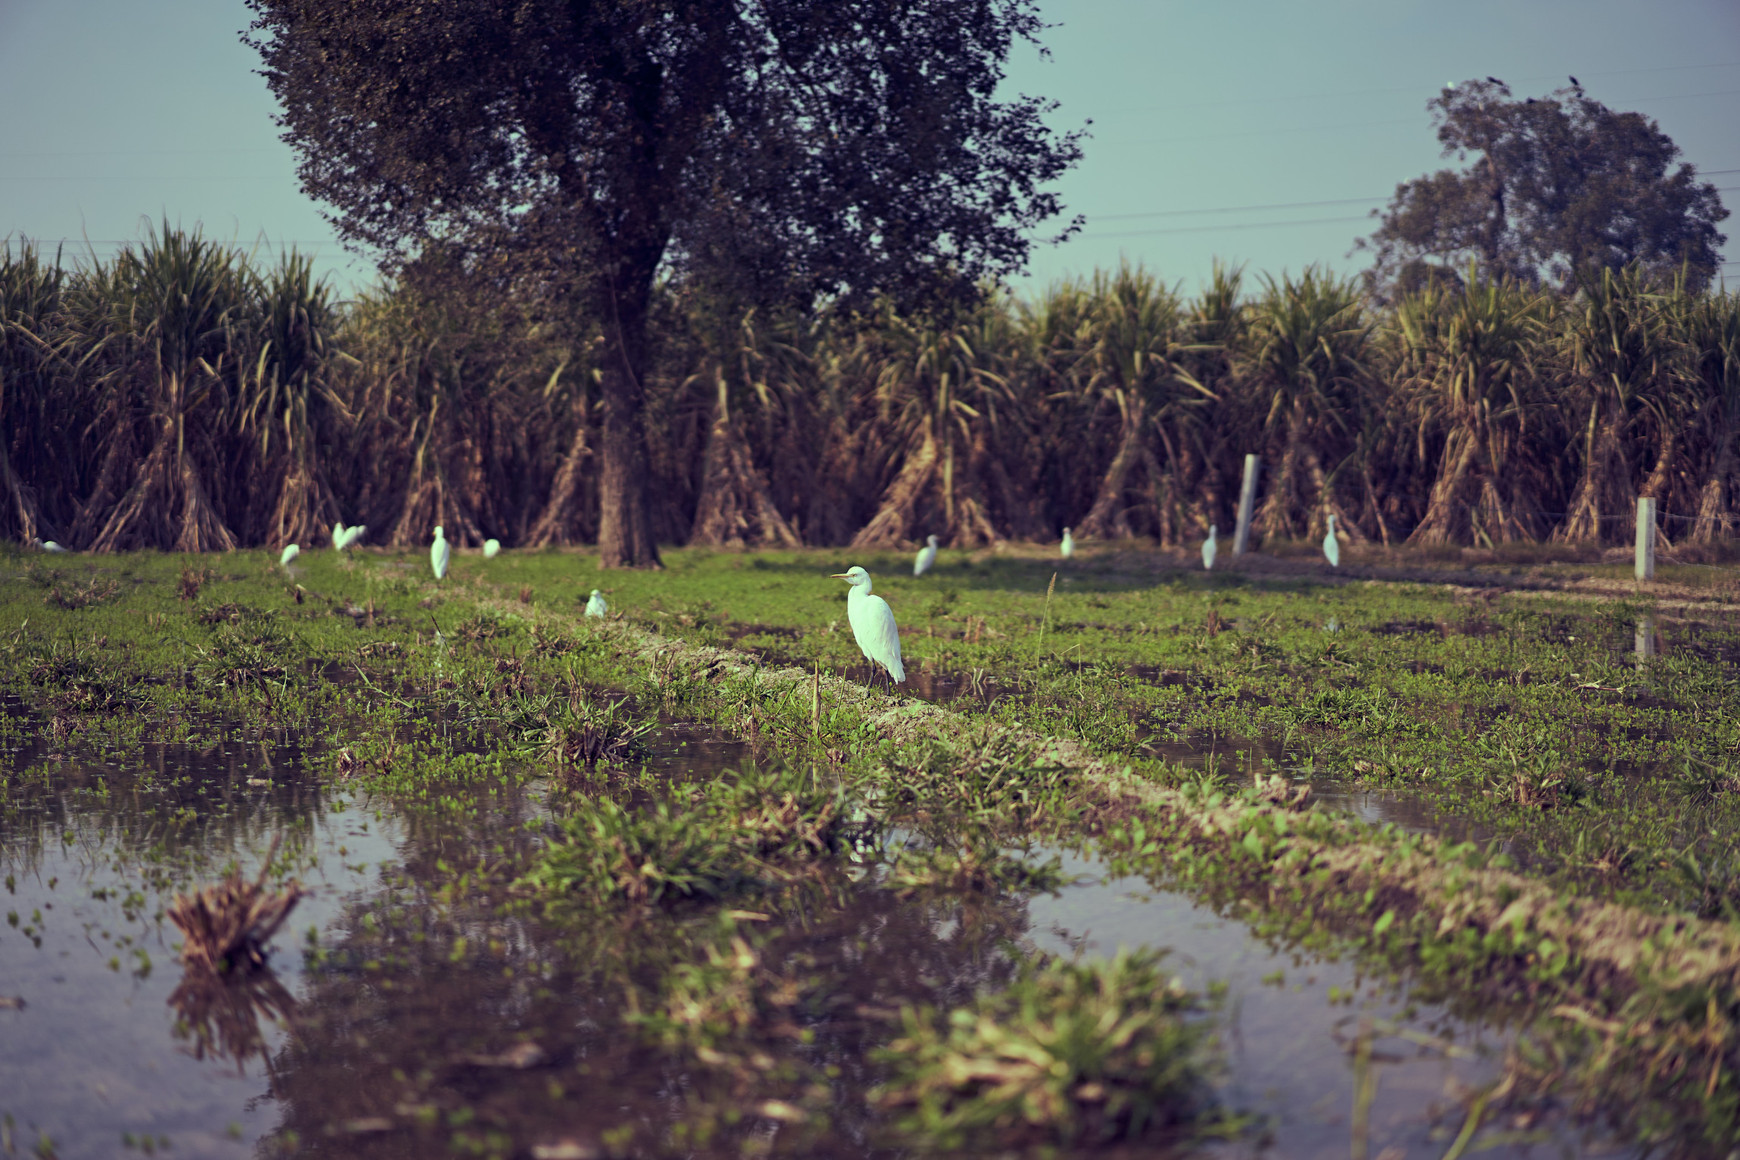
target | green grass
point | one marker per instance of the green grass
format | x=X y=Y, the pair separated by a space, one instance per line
x=1586 y=775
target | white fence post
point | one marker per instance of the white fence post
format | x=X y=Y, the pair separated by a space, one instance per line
x=1247 y=504
x=1645 y=538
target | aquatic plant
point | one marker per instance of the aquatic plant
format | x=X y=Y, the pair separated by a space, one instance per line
x=1070 y=1053
x=225 y=927
x=703 y=841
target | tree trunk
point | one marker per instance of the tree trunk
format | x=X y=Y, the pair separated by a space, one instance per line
x=888 y=528
x=1107 y=518
x=433 y=500
x=1715 y=519
x=166 y=506
x=735 y=508
x=20 y=502
x=562 y=511
x=1448 y=518
x=1604 y=495
x=1276 y=518
x=625 y=538
x=1327 y=503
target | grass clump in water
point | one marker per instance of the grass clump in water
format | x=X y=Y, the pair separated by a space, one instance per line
x=1069 y=1054
x=227 y=926
x=704 y=841
x=574 y=731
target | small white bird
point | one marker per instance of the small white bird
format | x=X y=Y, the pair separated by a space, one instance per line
x=48 y=545
x=490 y=548
x=338 y=536
x=1332 y=546
x=290 y=552
x=1208 y=549
x=872 y=624
x=926 y=557
x=353 y=534
x=1068 y=548
x=439 y=553
x=595 y=605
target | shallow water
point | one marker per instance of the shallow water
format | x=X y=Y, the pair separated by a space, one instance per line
x=422 y=1017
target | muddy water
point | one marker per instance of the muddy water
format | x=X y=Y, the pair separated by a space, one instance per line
x=405 y=1018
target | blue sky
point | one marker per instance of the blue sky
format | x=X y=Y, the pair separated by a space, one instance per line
x=1257 y=132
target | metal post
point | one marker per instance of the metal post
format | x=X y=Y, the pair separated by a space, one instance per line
x=1645 y=538
x=1247 y=502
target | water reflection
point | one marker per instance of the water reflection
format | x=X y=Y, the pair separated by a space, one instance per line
x=435 y=1011
x=220 y=1015
x=1647 y=640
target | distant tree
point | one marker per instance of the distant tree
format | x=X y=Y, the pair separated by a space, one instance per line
x=789 y=147
x=1554 y=189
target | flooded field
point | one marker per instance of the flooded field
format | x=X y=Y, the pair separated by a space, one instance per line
x=1136 y=870
x=404 y=1011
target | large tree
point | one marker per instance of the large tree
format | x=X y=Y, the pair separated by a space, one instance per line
x=792 y=147
x=1552 y=189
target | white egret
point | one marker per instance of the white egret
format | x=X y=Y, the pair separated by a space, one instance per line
x=1068 y=547
x=872 y=624
x=595 y=605
x=1332 y=546
x=926 y=557
x=290 y=552
x=1208 y=549
x=338 y=536
x=353 y=534
x=439 y=553
x=490 y=548
x=47 y=545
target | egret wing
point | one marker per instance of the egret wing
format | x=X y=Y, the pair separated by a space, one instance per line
x=883 y=638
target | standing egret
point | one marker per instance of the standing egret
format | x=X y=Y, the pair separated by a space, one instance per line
x=872 y=624
x=1068 y=547
x=926 y=557
x=1208 y=549
x=439 y=553
x=47 y=545
x=1332 y=546
x=339 y=536
x=595 y=605
x=290 y=552
x=353 y=534
x=490 y=548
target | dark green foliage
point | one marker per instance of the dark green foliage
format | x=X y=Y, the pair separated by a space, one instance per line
x=1471 y=417
x=702 y=841
x=1559 y=188
x=1068 y=1054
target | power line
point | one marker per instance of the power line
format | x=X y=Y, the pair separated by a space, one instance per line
x=1240 y=226
x=1292 y=99
x=1114 y=217
x=137 y=153
x=1296 y=205
x=152 y=177
x=1360 y=124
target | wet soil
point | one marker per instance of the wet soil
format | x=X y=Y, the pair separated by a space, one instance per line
x=405 y=1018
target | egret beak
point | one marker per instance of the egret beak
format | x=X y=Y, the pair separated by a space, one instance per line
x=837 y=575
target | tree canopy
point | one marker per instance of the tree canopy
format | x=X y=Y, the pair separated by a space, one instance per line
x=1553 y=189
x=786 y=148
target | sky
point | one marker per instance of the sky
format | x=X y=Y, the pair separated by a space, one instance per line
x=1260 y=133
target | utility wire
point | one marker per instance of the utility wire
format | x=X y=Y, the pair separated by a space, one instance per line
x=1290 y=99
x=1286 y=205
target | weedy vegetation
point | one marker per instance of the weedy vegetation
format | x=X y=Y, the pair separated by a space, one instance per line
x=1565 y=859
